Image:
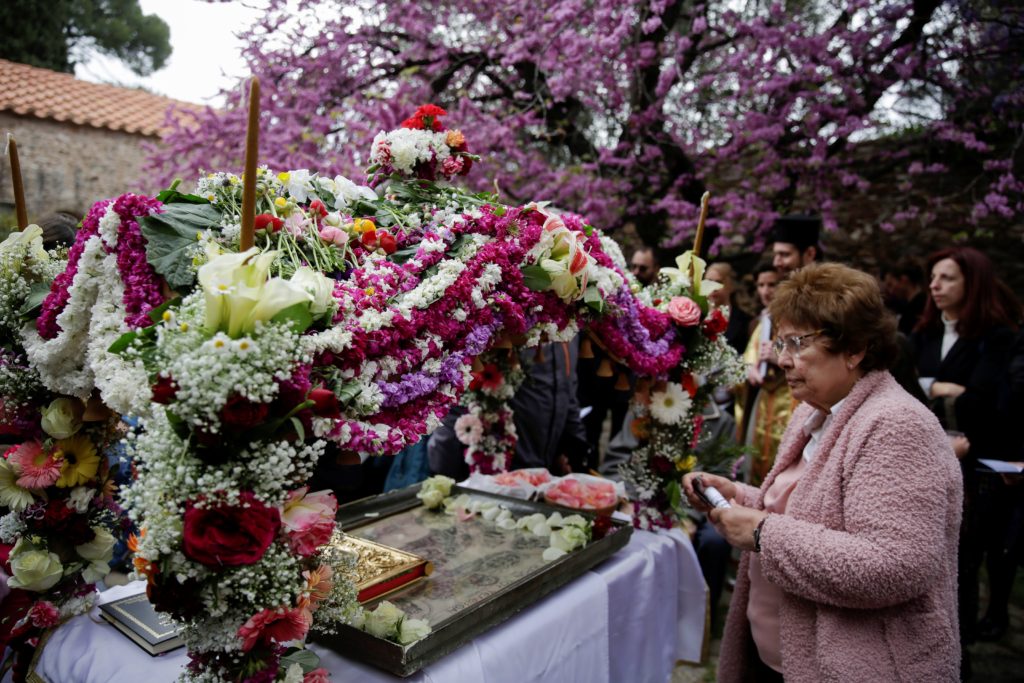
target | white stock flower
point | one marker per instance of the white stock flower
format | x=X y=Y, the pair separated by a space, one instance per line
x=346 y=192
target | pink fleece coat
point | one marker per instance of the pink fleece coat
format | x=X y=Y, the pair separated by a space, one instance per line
x=866 y=552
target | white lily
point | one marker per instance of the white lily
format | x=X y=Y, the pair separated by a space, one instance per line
x=680 y=276
x=319 y=286
x=346 y=192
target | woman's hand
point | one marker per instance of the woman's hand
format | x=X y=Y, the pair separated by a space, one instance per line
x=961 y=446
x=726 y=487
x=943 y=389
x=753 y=376
x=737 y=524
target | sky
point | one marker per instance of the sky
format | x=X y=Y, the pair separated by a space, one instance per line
x=206 y=54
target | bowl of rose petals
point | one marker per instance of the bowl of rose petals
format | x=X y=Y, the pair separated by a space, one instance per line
x=584 y=492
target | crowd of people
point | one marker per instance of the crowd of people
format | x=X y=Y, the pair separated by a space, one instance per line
x=863 y=506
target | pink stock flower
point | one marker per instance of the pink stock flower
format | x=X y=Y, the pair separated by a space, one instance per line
x=274 y=625
x=684 y=311
x=38 y=467
x=308 y=519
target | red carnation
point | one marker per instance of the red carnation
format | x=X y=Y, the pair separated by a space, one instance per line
x=325 y=403
x=430 y=110
x=241 y=413
x=266 y=221
x=164 y=391
x=229 y=535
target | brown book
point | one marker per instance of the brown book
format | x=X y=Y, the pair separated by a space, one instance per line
x=381 y=569
x=135 y=617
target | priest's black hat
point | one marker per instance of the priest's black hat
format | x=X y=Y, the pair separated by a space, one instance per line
x=799 y=229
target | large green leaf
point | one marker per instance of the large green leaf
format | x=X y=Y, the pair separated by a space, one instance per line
x=171 y=236
x=536 y=278
x=296 y=315
x=38 y=291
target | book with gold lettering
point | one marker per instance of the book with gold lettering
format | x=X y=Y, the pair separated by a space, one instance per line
x=134 y=616
x=381 y=569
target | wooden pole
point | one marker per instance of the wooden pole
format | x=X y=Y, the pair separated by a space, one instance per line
x=252 y=150
x=699 y=237
x=19 y=188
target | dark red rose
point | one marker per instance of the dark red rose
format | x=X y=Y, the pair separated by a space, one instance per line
x=241 y=413
x=268 y=222
x=603 y=525
x=164 y=391
x=180 y=600
x=689 y=383
x=229 y=535
x=661 y=464
x=325 y=403
x=59 y=521
x=467 y=163
x=715 y=324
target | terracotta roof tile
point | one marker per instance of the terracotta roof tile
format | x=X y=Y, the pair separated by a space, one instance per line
x=31 y=91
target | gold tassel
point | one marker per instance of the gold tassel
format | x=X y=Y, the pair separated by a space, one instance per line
x=478 y=365
x=586 y=348
x=540 y=354
x=605 y=368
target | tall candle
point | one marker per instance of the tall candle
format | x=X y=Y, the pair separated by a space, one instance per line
x=699 y=237
x=19 y=188
x=252 y=150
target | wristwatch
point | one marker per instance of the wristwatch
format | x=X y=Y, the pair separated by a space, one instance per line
x=757 y=535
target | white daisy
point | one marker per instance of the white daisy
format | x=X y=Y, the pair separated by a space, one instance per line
x=672 y=405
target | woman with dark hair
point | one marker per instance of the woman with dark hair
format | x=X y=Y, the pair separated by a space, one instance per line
x=849 y=572
x=963 y=345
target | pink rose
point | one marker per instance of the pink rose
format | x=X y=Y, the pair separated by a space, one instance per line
x=308 y=520
x=320 y=675
x=333 y=235
x=274 y=625
x=684 y=311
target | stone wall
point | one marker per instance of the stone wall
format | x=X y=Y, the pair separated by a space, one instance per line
x=68 y=167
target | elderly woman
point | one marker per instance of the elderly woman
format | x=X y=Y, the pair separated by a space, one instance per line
x=850 y=573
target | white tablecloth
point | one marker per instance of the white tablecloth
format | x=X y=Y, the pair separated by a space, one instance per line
x=628 y=620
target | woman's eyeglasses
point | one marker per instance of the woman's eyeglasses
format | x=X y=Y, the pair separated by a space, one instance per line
x=794 y=344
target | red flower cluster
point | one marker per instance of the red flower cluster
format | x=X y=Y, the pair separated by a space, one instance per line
x=426 y=117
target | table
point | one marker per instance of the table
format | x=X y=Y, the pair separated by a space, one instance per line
x=631 y=618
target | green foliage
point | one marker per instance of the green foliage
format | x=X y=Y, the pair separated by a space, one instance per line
x=171 y=238
x=56 y=34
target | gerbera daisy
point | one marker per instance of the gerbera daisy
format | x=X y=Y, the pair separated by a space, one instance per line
x=36 y=467
x=80 y=461
x=12 y=495
x=670 y=406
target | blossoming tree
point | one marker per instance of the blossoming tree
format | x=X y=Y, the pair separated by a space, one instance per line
x=627 y=111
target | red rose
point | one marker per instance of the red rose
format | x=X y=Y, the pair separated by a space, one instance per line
x=387 y=243
x=689 y=382
x=164 y=391
x=715 y=324
x=241 y=413
x=266 y=221
x=325 y=403
x=369 y=239
x=316 y=206
x=229 y=535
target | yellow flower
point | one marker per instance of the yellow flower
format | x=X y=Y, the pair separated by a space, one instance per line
x=686 y=464
x=280 y=202
x=362 y=225
x=80 y=461
x=369 y=291
x=283 y=176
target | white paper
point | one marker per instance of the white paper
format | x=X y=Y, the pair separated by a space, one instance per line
x=1003 y=466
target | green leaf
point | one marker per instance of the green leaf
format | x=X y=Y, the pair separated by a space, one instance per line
x=299 y=430
x=403 y=255
x=304 y=658
x=592 y=298
x=536 y=278
x=348 y=393
x=171 y=236
x=675 y=494
x=172 y=196
x=296 y=315
x=34 y=301
x=123 y=342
